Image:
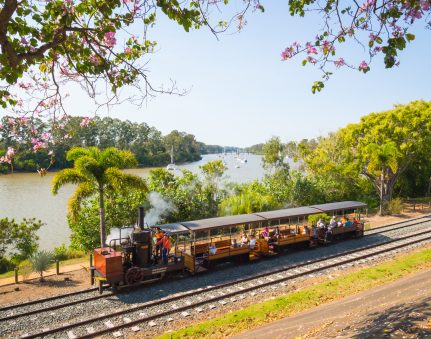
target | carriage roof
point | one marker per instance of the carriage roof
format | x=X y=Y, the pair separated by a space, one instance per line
x=288 y=213
x=338 y=206
x=232 y=220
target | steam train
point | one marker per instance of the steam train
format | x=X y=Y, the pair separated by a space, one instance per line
x=199 y=245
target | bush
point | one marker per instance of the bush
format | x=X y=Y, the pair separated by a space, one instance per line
x=63 y=253
x=60 y=252
x=312 y=219
x=41 y=261
x=395 y=206
x=6 y=265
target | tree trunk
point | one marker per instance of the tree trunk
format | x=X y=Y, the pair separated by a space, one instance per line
x=102 y=218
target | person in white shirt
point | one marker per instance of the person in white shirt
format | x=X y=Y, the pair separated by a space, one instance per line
x=213 y=249
x=252 y=242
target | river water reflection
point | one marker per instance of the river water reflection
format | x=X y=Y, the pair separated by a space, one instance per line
x=27 y=195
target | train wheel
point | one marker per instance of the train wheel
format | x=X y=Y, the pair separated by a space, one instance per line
x=100 y=287
x=133 y=275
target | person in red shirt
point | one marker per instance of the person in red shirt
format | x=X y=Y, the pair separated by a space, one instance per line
x=166 y=247
x=159 y=236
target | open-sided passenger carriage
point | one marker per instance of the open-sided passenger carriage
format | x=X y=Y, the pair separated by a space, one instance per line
x=199 y=245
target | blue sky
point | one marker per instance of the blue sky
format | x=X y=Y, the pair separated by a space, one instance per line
x=242 y=94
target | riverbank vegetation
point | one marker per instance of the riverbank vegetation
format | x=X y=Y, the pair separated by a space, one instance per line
x=150 y=147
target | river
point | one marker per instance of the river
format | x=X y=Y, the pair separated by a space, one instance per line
x=27 y=195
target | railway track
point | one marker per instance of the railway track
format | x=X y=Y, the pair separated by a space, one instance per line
x=197 y=299
x=74 y=298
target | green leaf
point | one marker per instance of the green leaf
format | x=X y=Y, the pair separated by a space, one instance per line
x=410 y=37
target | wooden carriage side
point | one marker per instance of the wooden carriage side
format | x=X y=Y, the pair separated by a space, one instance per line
x=193 y=239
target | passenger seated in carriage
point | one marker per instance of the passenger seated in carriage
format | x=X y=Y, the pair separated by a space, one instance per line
x=234 y=243
x=213 y=248
x=320 y=224
x=333 y=223
x=252 y=243
x=348 y=223
x=266 y=232
x=244 y=240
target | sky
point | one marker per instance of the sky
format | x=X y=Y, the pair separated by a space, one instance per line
x=241 y=93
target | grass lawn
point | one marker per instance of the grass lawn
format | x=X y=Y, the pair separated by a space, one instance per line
x=261 y=313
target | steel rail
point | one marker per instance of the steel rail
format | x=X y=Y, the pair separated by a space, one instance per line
x=237 y=281
x=75 y=302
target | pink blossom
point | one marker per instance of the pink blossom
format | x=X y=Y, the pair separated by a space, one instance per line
x=311 y=60
x=46 y=136
x=85 y=122
x=311 y=49
x=25 y=85
x=24 y=41
x=363 y=66
x=339 y=62
x=10 y=152
x=128 y=51
x=37 y=144
x=287 y=53
x=425 y=5
x=1 y=126
x=327 y=47
x=95 y=60
x=51 y=152
x=11 y=121
x=23 y=120
x=109 y=39
x=5 y=159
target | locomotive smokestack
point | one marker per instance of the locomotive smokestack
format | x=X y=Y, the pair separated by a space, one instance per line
x=141 y=216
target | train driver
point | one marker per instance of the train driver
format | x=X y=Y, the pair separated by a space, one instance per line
x=159 y=236
x=166 y=247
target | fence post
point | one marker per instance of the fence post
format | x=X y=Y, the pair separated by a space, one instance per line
x=57 y=266
x=16 y=275
x=91 y=260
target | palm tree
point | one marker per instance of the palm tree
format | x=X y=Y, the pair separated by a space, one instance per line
x=382 y=163
x=97 y=172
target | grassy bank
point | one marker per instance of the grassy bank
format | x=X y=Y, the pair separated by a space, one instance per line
x=312 y=296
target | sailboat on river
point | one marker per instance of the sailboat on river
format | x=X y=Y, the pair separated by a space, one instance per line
x=172 y=166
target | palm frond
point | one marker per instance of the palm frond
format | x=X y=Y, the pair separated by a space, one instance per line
x=89 y=166
x=118 y=180
x=77 y=152
x=66 y=176
x=84 y=191
x=113 y=157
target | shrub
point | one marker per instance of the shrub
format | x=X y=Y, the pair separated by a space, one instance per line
x=6 y=265
x=63 y=253
x=395 y=206
x=41 y=261
x=312 y=219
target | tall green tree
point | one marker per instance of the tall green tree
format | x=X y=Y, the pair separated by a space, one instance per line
x=380 y=148
x=97 y=173
x=273 y=154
